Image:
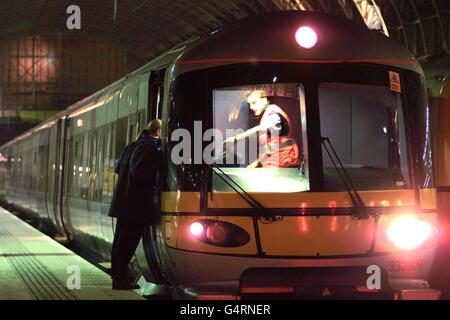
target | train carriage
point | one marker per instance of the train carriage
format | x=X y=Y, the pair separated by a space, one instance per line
x=355 y=191
x=440 y=106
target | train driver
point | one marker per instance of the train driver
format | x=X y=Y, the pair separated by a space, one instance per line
x=272 y=125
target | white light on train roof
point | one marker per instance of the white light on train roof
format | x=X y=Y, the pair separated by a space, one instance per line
x=306 y=37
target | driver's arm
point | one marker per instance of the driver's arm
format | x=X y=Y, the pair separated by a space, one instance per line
x=245 y=134
x=273 y=121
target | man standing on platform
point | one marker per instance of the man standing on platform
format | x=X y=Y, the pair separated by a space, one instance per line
x=135 y=199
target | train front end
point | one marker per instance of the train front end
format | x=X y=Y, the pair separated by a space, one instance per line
x=300 y=164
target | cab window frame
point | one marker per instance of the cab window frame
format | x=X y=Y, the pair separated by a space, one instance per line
x=399 y=107
x=299 y=134
x=310 y=76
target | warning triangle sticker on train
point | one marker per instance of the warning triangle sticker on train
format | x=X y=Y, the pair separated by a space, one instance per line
x=394 y=79
x=326 y=293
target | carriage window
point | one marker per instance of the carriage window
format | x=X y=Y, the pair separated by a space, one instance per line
x=264 y=132
x=366 y=128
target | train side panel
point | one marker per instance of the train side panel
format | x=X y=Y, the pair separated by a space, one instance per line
x=95 y=140
x=443 y=185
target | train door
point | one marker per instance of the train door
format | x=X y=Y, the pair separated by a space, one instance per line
x=41 y=182
x=25 y=190
x=92 y=204
x=156 y=94
x=50 y=190
x=62 y=186
x=148 y=255
x=143 y=101
x=95 y=196
x=134 y=124
x=108 y=176
x=31 y=193
x=56 y=176
x=133 y=128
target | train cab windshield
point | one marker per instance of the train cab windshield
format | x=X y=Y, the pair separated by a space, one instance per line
x=264 y=148
x=272 y=119
x=365 y=125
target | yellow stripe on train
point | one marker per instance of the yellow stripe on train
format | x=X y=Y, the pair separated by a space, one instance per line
x=294 y=236
x=190 y=201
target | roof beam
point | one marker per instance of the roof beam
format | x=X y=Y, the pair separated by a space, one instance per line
x=292 y=4
x=402 y=23
x=422 y=31
x=441 y=26
x=371 y=14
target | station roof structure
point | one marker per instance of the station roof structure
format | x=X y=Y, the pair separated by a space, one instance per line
x=149 y=27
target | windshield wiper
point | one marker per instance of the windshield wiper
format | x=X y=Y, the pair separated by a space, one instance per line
x=373 y=168
x=358 y=204
x=238 y=189
x=248 y=198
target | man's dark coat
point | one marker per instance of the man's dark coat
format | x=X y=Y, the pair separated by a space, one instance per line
x=134 y=197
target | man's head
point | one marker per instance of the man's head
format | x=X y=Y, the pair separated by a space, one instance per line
x=154 y=128
x=258 y=101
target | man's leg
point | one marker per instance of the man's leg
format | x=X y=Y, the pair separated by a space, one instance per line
x=119 y=234
x=129 y=235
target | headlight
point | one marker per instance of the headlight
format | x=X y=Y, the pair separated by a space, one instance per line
x=219 y=233
x=196 y=229
x=408 y=233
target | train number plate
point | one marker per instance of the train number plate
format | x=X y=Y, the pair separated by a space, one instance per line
x=405 y=265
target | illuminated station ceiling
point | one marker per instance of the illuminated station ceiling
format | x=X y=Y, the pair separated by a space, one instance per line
x=149 y=27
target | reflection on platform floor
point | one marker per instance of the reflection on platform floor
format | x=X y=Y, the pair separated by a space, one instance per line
x=35 y=267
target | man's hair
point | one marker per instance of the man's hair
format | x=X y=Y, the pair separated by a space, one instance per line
x=154 y=126
x=258 y=93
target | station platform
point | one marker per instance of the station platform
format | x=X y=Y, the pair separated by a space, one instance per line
x=35 y=267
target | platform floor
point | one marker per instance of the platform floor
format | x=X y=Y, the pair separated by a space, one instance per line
x=35 y=267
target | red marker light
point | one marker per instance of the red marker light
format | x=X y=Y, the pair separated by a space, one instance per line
x=306 y=37
x=216 y=233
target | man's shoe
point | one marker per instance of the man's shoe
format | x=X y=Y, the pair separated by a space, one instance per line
x=123 y=285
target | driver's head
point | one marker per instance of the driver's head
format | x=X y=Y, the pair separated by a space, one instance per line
x=258 y=101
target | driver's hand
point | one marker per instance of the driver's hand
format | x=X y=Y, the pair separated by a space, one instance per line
x=229 y=140
x=273 y=121
x=254 y=164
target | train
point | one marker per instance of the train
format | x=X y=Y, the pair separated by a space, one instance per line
x=349 y=211
x=439 y=99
